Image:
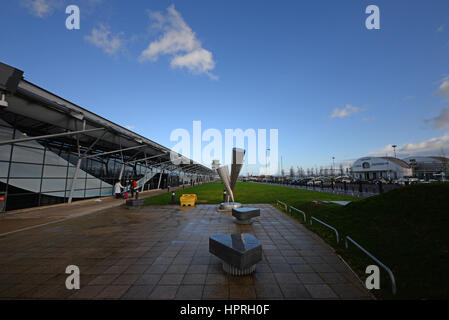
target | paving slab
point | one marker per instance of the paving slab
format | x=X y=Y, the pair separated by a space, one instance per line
x=162 y=252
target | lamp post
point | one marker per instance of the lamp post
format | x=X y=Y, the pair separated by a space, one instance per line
x=394 y=148
x=266 y=165
x=282 y=172
x=333 y=166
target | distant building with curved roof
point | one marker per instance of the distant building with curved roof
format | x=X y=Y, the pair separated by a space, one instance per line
x=371 y=168
x=427 y=167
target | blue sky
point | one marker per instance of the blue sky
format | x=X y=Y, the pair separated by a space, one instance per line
x=308 y=68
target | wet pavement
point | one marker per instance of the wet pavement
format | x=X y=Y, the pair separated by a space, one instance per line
x=162 y=252
x=24 y=219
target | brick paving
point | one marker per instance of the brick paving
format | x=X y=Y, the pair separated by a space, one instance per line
x=24 y=219
x=162 y=253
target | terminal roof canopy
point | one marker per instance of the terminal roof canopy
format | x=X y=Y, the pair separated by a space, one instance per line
x=42 y=113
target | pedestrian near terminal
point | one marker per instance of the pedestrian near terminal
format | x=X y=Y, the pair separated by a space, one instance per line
x=133 y=187
x=118 y=189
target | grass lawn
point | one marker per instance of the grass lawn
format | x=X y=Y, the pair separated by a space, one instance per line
x=406 y=229
x=247 y=192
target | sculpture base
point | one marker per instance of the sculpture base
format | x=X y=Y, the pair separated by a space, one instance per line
x=228 y=206
x=233 y=271
x=135 y=204
x=244 y=222
x=245 y=215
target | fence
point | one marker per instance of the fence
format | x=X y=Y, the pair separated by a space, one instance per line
x=390 y=273
x=299 y=211
x=347 y=238
x=352 y=189
x=325 y=224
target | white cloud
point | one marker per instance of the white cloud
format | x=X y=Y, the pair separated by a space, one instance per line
x=44 y=8
x=41 y=8
x=103 y=38
x=130 y=127
x=197 y=61
x=432 y=146
x=442 y=120
x=180 y=42
x=443 y=90
x=345 y=112
x=387 y=150
x=440 y=29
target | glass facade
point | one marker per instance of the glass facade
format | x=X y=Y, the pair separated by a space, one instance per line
x=43 y=136
x=38 y=173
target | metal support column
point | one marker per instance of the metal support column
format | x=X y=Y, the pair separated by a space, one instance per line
x=160 y=178
x=75 y=175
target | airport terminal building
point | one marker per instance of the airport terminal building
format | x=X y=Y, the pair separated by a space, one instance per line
x=371 y=168
x=54 y=151
x=427 y=167
x=389 y=168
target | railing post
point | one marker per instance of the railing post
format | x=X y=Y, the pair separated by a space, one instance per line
x=390 y=273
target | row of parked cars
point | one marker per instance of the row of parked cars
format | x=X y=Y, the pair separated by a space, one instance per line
x=318 y=181
x=327 y=181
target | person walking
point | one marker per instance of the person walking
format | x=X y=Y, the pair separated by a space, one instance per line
x=118 y=189
x=133 y=187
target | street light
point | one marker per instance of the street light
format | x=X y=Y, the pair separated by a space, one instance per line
x=333 y=166
x=394 y=148
x=266 y=165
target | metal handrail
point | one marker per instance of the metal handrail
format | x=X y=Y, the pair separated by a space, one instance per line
x=390 y=273
x=325 y=224
x=282 y=204
x=300 y=211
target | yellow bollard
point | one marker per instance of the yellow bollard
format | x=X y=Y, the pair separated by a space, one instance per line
x=188 y=200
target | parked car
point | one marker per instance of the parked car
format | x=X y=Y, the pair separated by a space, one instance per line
x=343 y=179
x=315 y=182
x=381 y=180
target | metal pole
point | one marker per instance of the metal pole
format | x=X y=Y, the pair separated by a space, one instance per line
x=160 y=178
x=72 y=188
x=121 y=171
x=333 y=166
x=2 y=143
x=266 y=166
x=115 y=151
x=75 y=175
x=146 y=171
x=390 y=273
x=146 y=158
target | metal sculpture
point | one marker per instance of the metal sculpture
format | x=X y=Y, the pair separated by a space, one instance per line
x=230 y=181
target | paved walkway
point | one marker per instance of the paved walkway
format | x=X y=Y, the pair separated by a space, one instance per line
x=162 y=253
x=25 y=219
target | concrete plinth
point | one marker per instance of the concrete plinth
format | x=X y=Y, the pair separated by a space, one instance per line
x=233 y=271
x=244 y=215
x=239 y=252
x=228 y=206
